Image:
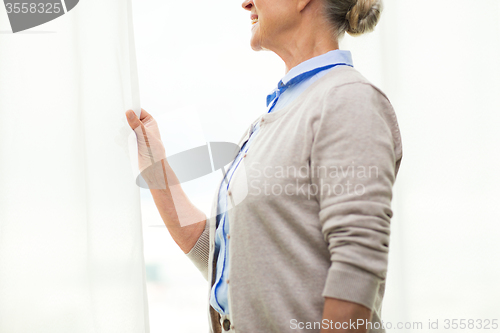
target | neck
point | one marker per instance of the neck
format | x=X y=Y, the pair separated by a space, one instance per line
x=298 y=54
x=311 y=38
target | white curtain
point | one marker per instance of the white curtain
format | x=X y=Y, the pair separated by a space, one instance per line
x=71 y=249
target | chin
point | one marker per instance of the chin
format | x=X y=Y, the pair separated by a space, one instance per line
x=255 y=40
x=256 y=47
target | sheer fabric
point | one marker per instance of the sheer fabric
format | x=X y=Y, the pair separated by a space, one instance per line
x=71 y=249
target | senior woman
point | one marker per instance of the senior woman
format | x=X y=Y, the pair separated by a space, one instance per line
x=306 y=249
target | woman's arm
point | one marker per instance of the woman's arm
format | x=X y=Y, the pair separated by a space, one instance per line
x=356 y=136
x=183 y=220
x=185 y=236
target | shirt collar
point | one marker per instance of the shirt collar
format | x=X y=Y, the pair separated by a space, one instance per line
x=329 y=58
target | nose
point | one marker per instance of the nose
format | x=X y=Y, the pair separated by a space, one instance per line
x=247 y=4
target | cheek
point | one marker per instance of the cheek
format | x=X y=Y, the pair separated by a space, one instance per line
x=274 y=16
x=268 y=26
x=268 y=11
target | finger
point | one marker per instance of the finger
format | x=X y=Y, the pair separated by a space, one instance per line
x=145 y=116
x=132 y=119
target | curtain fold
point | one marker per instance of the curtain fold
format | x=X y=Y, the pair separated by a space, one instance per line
x=71 y=247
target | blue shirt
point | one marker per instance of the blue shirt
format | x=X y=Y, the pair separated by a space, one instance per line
x=218 y=296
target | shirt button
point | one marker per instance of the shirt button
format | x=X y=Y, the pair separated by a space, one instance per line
x=229 y=192
x=228 y=236
x=245 y=155
x=227 y=281
x=226 y=324
x=262 y=120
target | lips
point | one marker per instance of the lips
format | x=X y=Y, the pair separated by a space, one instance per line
x=254 y=18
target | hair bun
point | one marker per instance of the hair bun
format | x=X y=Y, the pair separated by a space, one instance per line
x=363 y=16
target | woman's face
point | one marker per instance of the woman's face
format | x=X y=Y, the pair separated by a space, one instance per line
x=272 y=22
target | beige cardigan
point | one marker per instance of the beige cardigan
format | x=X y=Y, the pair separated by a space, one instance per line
x=312 y=209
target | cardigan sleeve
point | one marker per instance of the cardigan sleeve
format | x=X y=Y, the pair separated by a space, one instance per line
x=356 y=138
x=200 y=252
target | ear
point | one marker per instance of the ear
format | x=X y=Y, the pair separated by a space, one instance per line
x=301 y=4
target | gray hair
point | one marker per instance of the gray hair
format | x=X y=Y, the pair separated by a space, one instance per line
x=355 y=17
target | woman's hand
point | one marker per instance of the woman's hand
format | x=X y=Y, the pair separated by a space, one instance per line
x=184 y=221
x=152 y=159
x=345 y=317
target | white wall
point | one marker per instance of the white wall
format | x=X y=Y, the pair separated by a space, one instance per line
x=440 y=68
